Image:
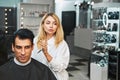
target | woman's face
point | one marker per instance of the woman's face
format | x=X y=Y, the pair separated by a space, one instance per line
x=50 y=25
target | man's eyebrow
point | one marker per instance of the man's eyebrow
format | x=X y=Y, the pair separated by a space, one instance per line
x=17 y=45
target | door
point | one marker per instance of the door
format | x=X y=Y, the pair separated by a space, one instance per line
x=68 y=21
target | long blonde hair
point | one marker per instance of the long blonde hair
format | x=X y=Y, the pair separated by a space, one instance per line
x=59 y=34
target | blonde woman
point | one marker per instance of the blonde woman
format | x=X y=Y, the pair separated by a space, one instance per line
x=50 y=48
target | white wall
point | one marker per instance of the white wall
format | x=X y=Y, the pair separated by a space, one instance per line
x=82 y=37
x=9 y=3
x=68 y=5
x=62 y=5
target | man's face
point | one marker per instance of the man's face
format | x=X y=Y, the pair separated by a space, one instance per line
x=22 y=49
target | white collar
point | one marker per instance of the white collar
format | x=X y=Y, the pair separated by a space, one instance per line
x=21 y=64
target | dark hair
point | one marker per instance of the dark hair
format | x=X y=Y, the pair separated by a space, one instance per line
x=23 y=34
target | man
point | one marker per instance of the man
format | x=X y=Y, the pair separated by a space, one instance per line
x=23 y=67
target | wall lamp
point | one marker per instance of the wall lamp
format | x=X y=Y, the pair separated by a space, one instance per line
x=85 y=5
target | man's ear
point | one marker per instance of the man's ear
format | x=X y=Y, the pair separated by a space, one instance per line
x=12 y=47
x=32 y=46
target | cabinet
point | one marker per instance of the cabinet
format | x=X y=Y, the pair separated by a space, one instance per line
x=8 y=23
x=29 y=15
x=105 y=40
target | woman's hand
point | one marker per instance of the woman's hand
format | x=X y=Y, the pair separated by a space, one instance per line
x=45 y=50
x=44 y=46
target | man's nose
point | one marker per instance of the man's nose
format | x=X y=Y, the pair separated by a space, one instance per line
x=23 y=51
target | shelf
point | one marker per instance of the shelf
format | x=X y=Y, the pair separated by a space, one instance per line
x=106 y=34
x=97 y=53
x=99 y=31
x=106 y=5
x=98 y=43
x=97 y=20
x=30 y=14
x=114 y=20
x=112 y=32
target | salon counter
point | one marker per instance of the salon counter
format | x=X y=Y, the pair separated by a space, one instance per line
x=83 y=38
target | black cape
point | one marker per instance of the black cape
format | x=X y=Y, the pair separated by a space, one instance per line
x=33 y=71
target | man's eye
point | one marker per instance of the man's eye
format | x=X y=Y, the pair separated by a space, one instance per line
x=27 y=47
x=18 y=47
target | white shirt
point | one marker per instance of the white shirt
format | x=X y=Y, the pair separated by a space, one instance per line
x=21 y=64
x=60 y=59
